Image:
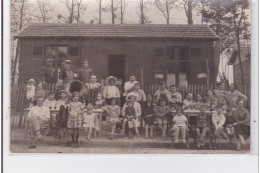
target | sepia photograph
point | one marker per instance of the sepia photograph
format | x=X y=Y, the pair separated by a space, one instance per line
x=130 y=76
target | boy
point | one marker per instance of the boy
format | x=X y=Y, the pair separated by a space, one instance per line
x=85 y=73
x=130 y=115
x=202 y=126
x=199 y=101
x=218 y=120
x=179 y=121
x=161 y=119
x=51 y=103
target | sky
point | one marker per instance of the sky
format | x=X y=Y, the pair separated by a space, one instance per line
x=177 y=16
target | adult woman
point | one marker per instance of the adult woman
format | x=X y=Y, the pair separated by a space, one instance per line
x=242 y=124
x=233 y=96
x=131 y=97
x=92 y=89
x=221 y=95
x=40 y=92
x=129 y=86
x=211 y=100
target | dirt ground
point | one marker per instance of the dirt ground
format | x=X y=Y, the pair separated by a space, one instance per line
x=23 y=148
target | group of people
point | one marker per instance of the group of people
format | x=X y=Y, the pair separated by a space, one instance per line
x=128 y=106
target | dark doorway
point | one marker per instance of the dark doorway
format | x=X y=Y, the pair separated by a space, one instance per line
x=116 y=66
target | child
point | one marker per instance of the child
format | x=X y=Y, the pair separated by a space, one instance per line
x=113 y=111
x=62 y=120
x=161 y=119
x=148 y=113
x=199 y=102
x=179 y=121
x=63 y=99
x=188 y=102
x=89 y=120
x=162 y=93
x=229 y=128
x=218 y=120
x=111 y=90
x=51 y=103
x=30 y=89
x=99 y=103
x=130 y=115
x=202 y=126
x=75 y=119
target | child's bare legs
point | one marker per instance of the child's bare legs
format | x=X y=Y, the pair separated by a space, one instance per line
x=203 y=134
x=113 y=128
x=183 y=132
x=151 y=131
x=123 y=126
x=160 y=123
x=135 y=127
x=164 y=128
x=176 y=134
x=63 y=134
x=146 y=131
x=89 y=132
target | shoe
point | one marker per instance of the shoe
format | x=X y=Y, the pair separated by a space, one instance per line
x=151 y=137
x=76 y=144
x=239 y=147
x=198 y=145
x=32 y=146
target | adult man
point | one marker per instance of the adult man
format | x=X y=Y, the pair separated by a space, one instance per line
x=85 y=73
x=49 y=72
x=38 y=118
x=66 y=75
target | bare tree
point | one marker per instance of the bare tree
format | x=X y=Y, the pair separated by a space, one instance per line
x=75 y=9
x=142 y=6
x=189 y=6
x=122 y=10
x=112 y=12
x=46 y=11
x=165 y=7
x=99 y=11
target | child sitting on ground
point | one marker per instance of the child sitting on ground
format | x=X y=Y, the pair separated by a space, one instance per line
x=179 y=123
x=88 y=120
x=130 y=115
x=202 y=126
x=113 y=112
x=218 y=120
x=161 y=117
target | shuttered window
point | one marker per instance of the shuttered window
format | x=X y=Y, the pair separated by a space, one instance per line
x=38 y=51
x=74 y=51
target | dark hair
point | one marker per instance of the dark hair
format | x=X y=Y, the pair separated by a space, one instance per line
x=51 y=93
x=235 y=86
x=113 y=99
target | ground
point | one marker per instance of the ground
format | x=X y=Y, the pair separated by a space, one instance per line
x=23 y=148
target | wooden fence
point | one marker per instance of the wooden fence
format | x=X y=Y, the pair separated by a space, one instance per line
x=19 y=101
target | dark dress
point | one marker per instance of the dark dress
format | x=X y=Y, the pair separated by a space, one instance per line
x=148 y=109
x=242 y=117
x=62 y=118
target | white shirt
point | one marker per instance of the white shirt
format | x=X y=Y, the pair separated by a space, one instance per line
x=137 y=108
x=180 y=121
x=218 y=120
x=140 y=95
x=50 y=103
x=111 y=91
x=129 y=87
x=42 y=111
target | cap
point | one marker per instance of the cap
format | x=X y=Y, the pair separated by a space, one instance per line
x=67 y=61
x=49 y=60
x=62 y=91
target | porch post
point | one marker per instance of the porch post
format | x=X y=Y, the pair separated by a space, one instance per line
x=207 y=64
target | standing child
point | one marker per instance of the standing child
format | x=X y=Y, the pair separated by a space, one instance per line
x=113 y=111
x=161 y=116
x=75 y=119
x=62 y=120
x=51 y=103
x=148 y=113
x=130 y=115
x=179 y=123
x=89 y=120
x=30 y=89
x=202 y=126
x=218 y=120
x=111 y=90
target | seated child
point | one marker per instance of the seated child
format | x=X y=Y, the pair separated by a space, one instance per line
x=113 y=112
x=99 y=103
x=179 y=123
x=229 y=128
x=130 y=115
x=188 y=102
x=199 y=102
x=32 y=102
x=148 y=113
x=161 y=116
x=218 y=120
x=30 y=89
x=75 y=119
x=51 y=103
x=202 y=126
x=88 y=120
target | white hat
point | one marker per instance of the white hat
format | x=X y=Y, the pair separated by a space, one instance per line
x=31 y=80
x=109 y=78
x=131 y=94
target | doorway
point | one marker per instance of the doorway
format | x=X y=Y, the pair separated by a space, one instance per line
x=116 y=66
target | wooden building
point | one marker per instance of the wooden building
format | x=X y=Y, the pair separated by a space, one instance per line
x=178 y=54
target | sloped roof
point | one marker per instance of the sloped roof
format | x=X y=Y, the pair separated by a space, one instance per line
x=117 y=31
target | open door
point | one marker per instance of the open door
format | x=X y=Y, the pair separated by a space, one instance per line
x=116 y=66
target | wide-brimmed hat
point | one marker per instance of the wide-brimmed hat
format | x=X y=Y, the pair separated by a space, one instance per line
x=109 y=78
x=31 y=80
x=131 y=94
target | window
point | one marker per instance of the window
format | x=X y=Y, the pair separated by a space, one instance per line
x=37 y=51
x=74 y=51
x=50 y=51
x=158 y=51
x=62 y=51
x=195 y=52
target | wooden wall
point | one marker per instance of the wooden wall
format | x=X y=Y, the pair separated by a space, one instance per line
x=138 y=55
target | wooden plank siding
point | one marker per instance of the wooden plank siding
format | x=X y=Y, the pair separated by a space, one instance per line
x=138 y=53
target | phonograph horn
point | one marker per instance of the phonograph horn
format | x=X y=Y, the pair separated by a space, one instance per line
x=77 y=86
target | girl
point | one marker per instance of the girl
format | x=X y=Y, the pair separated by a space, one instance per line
x=130 y=115
x=62 y=120
x=161 y=117
x=179 y=121
x=92 y=88
x=89 y=120
x=113 y=111
x=162 y=93
x=148 y=113
x=110 y=90
x=99 y=103
x=30 y=89
x=75 y=119
x=218 y=120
